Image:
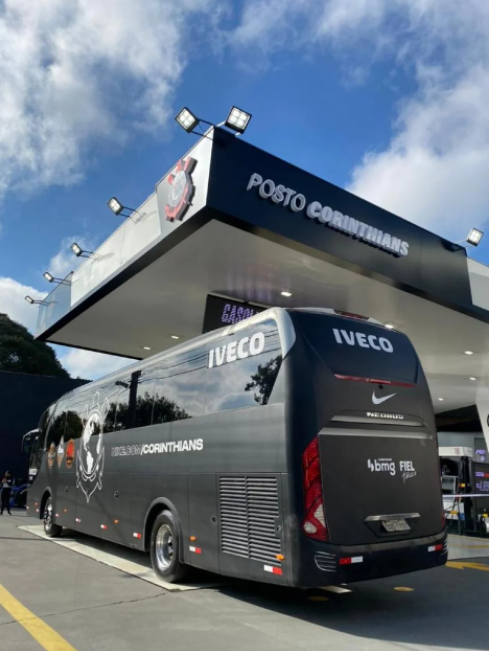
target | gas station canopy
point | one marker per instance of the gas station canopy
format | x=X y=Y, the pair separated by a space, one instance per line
x=233 y=221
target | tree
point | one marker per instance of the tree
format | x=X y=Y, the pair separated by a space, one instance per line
x=264 y=379
x=21 y=353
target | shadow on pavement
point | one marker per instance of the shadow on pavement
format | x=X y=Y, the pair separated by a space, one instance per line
x=447 y=607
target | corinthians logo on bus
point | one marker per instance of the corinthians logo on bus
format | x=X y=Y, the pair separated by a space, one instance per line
x=181 y=189
x=91 y=453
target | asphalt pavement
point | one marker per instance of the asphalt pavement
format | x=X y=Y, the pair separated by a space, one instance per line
x=94 y=606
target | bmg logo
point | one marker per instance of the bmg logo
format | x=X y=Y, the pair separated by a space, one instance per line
x=382 y=465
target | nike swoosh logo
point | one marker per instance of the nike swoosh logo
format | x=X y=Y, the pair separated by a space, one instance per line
x=379 y=401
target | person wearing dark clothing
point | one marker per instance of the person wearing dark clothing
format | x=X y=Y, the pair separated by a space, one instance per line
x=6 y=486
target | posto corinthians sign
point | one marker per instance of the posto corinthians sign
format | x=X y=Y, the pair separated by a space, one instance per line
x=296 y=202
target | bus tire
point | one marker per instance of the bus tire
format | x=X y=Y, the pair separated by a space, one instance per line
x=51 y=529
x=165 y=548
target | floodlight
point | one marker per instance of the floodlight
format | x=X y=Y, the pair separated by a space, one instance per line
x=77 y=250
x=115 y=205
x=474 y=237
x=52 y=279
x=33 y=301
x=238 y=120
x=187 y=120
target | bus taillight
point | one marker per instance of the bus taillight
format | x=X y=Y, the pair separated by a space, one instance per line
x=314 y=525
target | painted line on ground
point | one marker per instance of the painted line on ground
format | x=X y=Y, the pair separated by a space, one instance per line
x=91 y=550
x=44 y=635
x=469 y=546
x=462 y=565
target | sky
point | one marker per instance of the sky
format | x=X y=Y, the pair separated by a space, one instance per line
x=387 y=98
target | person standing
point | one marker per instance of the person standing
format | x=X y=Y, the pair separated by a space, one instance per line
x=6 y=485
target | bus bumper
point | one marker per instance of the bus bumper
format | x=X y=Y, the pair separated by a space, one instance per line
x=333 y=564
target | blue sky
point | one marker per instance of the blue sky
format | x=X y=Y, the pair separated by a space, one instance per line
x=385 y=97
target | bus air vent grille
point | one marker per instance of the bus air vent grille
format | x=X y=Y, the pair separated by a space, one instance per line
x=325 y=561
x=249 y=513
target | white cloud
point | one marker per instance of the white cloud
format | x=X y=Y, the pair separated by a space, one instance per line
x=88 y=365
x=434 y=170
x=75 y=72
x=13 y=303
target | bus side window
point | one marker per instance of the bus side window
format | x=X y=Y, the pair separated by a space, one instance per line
x=122 y=414
x=145 y=398
x=107 y=403
x=55 y=433
x=180 y=387
x=246 y=381
x=76 y=415
x=39 y=447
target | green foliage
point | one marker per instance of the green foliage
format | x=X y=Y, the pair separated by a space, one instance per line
x=264 y=379
x=20 y=353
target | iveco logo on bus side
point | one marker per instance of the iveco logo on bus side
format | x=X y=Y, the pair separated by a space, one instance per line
x=245 y=347
x=364 y=341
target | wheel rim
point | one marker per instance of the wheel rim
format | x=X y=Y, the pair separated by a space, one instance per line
x=164 y=547
x=48 y=516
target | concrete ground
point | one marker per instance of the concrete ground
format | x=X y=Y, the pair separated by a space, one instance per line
x=95 y=606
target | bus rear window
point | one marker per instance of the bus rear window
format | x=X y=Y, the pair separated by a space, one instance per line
x=358 y=348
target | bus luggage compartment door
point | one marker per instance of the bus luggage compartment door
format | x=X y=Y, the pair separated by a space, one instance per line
x=379 y=486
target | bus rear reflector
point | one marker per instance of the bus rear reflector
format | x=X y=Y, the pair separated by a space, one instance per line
x=272 y=569
x=435 y=548
x=314 y=525
x=350 y=560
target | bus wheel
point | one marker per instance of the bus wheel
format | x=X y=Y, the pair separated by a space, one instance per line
x=50 y=529
x=165 y=545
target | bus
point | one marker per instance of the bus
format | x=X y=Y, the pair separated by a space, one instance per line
x=295 y=447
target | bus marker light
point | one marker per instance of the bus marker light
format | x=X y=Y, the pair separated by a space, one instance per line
x=369 y=380
x=37 y=510
x=137 y=535
x=435 y=548
x=103 y=526
x=195 y=550
x=57 y=515
x=116 y=521
x=280 y=557
x=77 y=520
x=351 y=559
x=65 y=510
x=193 y=538
x=273 y=570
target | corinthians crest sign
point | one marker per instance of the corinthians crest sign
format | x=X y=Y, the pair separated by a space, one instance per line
x=181 y=190
x=91 y=454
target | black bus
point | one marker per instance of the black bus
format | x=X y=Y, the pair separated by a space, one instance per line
x=296 y=447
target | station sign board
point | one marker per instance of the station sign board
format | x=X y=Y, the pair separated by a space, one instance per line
x=222 y=312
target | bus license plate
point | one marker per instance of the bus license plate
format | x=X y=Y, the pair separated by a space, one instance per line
x=396 y=525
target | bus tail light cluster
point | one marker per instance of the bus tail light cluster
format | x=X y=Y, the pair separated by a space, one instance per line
x=314 y=525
